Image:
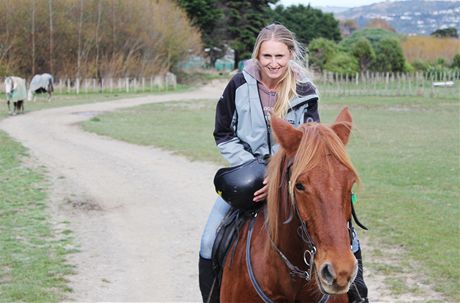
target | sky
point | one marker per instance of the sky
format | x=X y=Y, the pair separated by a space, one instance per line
x=338 y=3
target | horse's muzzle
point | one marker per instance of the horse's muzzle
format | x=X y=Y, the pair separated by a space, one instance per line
x=334 y=280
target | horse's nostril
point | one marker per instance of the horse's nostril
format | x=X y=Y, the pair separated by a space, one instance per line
x=328 y=274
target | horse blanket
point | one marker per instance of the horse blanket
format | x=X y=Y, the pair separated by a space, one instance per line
x=40 y=83
x=15 y=89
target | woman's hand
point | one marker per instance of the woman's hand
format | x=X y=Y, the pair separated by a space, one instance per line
x=262 y=193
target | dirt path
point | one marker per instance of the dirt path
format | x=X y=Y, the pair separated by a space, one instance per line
x=137 y=212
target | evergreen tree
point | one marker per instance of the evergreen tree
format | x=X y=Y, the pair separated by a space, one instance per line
x=450 y=32
x=203 y=14
x=321 y=52
x=307 y=23
x=243 y=20
x=364 y=52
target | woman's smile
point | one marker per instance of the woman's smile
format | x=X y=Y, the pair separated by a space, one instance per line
x=274 y=58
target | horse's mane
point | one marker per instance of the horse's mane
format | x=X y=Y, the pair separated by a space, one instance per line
x=317 y=140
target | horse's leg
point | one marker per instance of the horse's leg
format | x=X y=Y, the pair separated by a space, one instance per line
x=21 y=106
x=9 y=109
x=49 y=96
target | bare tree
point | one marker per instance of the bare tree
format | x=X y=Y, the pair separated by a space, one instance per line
x=33 y=37
x=98 y=24
x=50 y=7
x=79 y=51
x=96 y=37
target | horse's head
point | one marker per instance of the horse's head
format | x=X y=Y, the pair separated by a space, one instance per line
x=321 y=177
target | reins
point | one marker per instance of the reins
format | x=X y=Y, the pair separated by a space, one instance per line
x=294 y=270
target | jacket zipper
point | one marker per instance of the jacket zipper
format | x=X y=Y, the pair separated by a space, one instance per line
x=267 y=125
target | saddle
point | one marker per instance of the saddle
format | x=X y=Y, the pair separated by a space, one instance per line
x=227 y=233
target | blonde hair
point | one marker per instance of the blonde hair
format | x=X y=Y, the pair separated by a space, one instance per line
x=296 y=72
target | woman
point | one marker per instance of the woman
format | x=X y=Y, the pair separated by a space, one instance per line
x=273 y=82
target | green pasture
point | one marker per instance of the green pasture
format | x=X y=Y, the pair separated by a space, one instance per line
x=407 y=151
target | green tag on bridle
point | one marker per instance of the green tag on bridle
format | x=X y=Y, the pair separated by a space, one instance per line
x=354 y=198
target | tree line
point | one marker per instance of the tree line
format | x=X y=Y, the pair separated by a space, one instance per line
x=143 y=38
x=235 y=23
x=93 y=38
x=375 y=48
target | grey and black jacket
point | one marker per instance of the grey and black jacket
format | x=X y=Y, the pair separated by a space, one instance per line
x=241 y=130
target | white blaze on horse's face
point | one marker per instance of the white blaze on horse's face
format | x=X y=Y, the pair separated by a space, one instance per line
x=322 y=178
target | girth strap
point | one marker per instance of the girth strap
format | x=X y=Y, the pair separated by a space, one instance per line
x=252 y=277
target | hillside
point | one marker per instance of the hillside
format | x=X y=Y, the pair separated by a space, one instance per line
x=411 y=17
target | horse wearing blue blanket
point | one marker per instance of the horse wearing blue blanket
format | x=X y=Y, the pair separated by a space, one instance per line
x=15 y=89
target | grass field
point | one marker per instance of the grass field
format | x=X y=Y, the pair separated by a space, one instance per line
x=32 y=253
x=407 y=151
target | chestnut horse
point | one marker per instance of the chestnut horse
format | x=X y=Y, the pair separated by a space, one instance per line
x=297 y=249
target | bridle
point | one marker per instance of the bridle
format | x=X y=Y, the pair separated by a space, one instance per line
x=308 y=255
x=302 y=231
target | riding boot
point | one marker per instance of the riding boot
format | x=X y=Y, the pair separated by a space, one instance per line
x=208 y=282
x=358 y=290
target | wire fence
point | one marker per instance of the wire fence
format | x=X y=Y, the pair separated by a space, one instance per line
x=418 y=84
x=113 y=85
x=446 y=84
x=77 y=86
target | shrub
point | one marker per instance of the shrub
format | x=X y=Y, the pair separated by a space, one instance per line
x=321 y=52
x=420 y=65
x=389 y=56
x=343 y=63
x=456 y=61
x=374 y=35
x=364 y=53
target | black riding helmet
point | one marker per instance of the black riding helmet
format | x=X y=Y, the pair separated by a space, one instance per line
x=237 y=184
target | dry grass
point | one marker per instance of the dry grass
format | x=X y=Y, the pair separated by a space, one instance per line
x=430 y=48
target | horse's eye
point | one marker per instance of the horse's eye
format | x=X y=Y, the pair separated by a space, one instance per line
x=299 y=186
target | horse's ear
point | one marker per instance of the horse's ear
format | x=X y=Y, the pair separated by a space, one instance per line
x=342 y=125
x=286 y=135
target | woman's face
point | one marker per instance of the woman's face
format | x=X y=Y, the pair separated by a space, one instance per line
x=273 y=58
